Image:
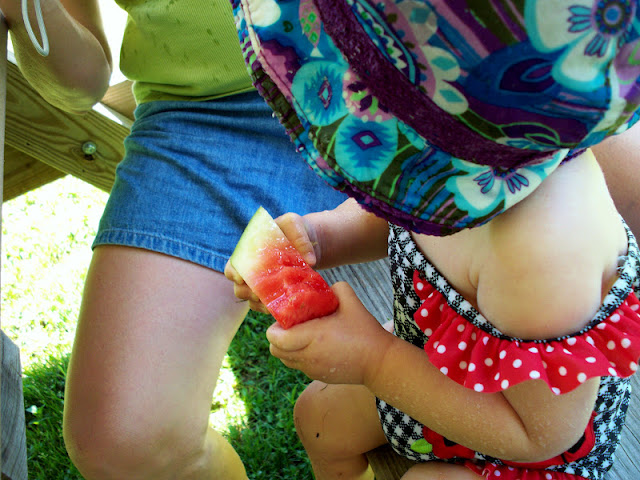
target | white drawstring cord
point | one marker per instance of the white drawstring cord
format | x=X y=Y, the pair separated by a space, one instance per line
x=44 y=48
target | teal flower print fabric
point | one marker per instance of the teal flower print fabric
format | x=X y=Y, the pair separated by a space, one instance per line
x=440 y=115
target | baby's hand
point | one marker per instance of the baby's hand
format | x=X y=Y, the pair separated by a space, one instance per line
x=300 y=233
x=344 y=347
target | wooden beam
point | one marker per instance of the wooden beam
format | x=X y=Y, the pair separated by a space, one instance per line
x=4 y=38
x=119 y=98
x=23 y=173
x=56 y=138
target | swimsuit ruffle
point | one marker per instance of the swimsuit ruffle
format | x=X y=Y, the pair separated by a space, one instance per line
x=489 y=363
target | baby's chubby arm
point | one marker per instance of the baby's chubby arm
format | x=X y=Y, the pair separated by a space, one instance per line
x=549 y=262
x=350 y=346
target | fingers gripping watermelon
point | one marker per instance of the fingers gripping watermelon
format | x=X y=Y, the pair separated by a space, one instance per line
x=276 y=272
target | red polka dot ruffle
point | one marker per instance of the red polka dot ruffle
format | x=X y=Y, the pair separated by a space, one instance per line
x=486 y=363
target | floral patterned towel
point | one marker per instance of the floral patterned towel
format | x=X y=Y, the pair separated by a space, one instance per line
x=440 y=115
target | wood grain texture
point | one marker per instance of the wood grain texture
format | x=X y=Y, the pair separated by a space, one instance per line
x=23 y=173
x=119 y=98
x=388 y=465
x=371 y=282
x=627 y=465
x=54 y=137
x=12 y=421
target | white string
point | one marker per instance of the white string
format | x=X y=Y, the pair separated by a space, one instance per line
x=44 y=48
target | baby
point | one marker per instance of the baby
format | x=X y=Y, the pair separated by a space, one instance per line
x=463 y=129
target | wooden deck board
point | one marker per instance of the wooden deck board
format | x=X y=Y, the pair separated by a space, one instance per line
x=13 y=463
x=372 y=284
x=627 y=465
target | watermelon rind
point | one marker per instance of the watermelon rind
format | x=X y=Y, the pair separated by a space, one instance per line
x=260 y=230
x=276 y=272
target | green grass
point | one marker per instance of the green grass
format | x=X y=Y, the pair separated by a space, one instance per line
x=46 y=238
x=46 y=249
x=43 y=385
x=267 y=441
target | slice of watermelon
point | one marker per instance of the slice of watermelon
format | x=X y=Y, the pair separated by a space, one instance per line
x=292 y=291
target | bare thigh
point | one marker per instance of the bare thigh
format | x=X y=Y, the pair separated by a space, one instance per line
x=152 y=333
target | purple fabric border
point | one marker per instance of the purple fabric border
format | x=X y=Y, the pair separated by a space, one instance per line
x=409 y=104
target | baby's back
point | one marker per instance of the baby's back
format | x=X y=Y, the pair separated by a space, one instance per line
x=541 y=269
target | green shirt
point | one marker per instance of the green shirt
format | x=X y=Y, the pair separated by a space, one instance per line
x=182 y=50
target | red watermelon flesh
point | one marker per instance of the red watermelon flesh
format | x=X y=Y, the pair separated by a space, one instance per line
x=276 y=272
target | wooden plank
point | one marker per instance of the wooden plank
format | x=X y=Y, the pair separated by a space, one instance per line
x=627 y=465
x=23 y=173
x=371 y=282
x=56 y=138
x=14 y=445
x=4 y=32
x=387 y=464
x=3 y=86
x=119 y=98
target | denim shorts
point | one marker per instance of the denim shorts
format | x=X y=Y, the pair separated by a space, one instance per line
x=195 y=172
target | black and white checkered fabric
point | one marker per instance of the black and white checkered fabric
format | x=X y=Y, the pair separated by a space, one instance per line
x=613 y=397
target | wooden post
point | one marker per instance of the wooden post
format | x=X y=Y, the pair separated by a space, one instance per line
x=387 y=464
x=13 y=462
x=14 y=444
x=3 y=101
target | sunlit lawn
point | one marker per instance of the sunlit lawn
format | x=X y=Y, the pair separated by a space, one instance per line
x=46 y=238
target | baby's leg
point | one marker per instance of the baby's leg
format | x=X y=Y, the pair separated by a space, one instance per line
x=439 y=471
x=337 y=425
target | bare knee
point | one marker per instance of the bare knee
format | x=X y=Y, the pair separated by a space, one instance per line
x=307 y=415
x=103 y=450
x=318 y=417
x=337 y=420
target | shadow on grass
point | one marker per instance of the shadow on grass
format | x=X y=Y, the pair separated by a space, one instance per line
x=267 y=444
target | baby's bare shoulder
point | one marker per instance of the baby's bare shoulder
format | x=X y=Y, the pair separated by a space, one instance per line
x=551 y=257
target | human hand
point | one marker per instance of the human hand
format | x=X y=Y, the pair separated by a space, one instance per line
x=345 y=347
x=302 y=236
